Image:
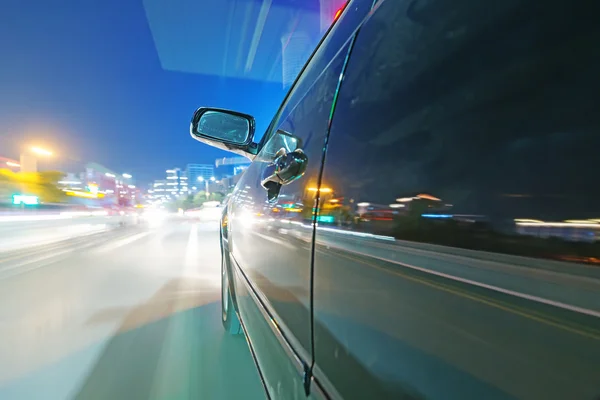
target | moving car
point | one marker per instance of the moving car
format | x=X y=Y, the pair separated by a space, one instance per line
x=209 y=211
x=421 y=218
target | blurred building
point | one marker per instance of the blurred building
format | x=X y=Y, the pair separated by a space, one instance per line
x=195 y=171
x=174 y=185
x=73 y=181
x=224 y=185
x=158 y=192
x=103 y=184
x=229 y=171
x=28 y=163
x=177 y=181
x=230 y=166
x=296 y=47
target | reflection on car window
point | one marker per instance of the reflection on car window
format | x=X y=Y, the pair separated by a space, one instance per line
x=502 y=131
x=458 y=236
x=340 y=34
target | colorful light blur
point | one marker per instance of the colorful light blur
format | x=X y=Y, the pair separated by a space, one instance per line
x=24 y=199
x=339 y=12
x=40 y=151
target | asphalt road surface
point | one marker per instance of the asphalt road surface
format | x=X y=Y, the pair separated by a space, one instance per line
x=134 y=314
x=129 y=314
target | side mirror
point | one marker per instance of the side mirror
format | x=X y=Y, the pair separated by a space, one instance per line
x=224 y=129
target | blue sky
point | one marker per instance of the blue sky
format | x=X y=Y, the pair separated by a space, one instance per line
x=84 y=78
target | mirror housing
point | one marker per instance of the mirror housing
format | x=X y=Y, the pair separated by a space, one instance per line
x=225 y=129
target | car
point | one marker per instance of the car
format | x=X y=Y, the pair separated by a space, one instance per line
x=209 y=211
x=421 y=218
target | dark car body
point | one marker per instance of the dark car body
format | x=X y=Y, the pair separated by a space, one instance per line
x=435 y=234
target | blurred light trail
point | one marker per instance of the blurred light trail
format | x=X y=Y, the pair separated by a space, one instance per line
x=40 y=151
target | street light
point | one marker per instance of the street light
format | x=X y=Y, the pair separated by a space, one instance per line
x=41 y=152
x=28 y=162
x=201 y=179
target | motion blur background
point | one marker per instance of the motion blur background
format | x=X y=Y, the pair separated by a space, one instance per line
x=109 y=254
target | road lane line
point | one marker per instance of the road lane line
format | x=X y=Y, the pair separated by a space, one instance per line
x=52 y=257
x=542 y=300
x=493 y=265
x=54 y=245
x=35 y=218
x=593 y=334
x=32 y=252
x=277 y=241
x=119 y=243
x=190 y=263
x=44 y=256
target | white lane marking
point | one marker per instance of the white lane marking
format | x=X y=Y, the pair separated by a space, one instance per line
x=21 y=218
x=190 y=263
x=494 y=265
x=275 y=240
x=119 y=243
x=50 y=258
x=46 y=257
x=542 y=300
x=34 y=239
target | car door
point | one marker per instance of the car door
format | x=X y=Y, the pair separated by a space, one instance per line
x=271 y=224
x=457 y=244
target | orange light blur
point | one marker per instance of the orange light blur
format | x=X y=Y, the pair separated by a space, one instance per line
x=323 y=190
x=339 y=12
x=85 y=194
x=427 y=197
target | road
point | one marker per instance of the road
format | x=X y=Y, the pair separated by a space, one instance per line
x=485 y=325
x=129 y=314
x=32 y=229
x=133 y=313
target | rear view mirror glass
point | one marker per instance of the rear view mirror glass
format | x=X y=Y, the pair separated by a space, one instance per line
x=224 y=126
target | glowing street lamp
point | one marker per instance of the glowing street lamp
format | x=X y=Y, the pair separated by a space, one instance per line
x=29 y=162
x=201 y=179
x=41 y=152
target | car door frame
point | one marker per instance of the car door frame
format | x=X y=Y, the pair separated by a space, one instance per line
x=236 y=271
x=304 y=367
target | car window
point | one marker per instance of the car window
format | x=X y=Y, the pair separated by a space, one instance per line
x=457 y=251
x=333 y=41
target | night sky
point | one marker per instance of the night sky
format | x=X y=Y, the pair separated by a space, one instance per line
x=84 y=78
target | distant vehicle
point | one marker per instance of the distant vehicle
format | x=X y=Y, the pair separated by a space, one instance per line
x=209 y=211
x=399 y=231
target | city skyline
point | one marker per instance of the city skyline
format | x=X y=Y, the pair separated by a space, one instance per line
x=107 y=97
